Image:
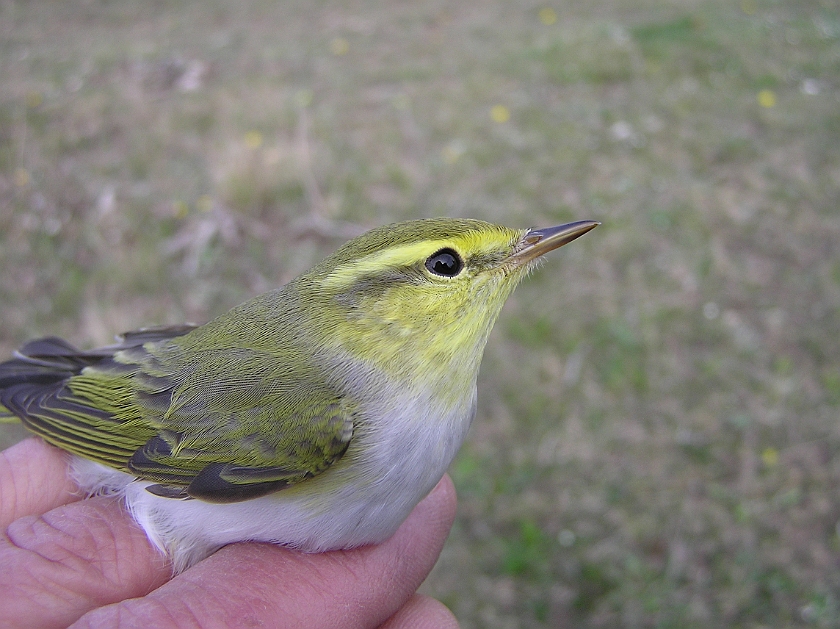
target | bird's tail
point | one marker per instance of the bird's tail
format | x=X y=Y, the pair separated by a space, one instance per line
x=51 y=360
x=40 y=362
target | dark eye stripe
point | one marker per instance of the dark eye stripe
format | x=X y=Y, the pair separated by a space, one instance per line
x=446 y=263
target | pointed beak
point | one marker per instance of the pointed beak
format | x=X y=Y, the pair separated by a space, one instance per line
x=540 y=241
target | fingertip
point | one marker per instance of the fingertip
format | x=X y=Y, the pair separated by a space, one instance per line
x=442 y=501
x=422 y=612
x=446 y=489
x=34 y=478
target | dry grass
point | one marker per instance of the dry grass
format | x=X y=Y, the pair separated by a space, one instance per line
x=657 y=442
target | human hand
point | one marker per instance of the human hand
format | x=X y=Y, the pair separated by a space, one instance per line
x=85 y=563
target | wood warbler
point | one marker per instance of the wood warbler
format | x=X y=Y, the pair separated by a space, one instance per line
x=315 y=416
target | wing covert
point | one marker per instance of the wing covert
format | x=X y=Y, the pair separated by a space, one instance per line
x=221 y=424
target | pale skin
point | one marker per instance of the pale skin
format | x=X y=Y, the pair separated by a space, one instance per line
x=68 y=562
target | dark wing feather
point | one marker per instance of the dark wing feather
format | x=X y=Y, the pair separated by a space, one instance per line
x=34 y=389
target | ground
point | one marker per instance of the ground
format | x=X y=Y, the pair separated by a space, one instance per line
x=657 y=442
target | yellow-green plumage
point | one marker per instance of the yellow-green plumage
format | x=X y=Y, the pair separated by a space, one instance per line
x=339 y=389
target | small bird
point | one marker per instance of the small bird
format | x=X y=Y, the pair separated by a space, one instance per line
x=315 y=416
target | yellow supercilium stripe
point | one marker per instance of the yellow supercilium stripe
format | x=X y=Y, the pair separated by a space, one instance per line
x=405 y=255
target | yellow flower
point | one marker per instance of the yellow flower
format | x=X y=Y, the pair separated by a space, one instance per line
x=253 y=139
x=499 y=113
x=767 y=98
x=548 y=16
x=339 y=46
x=770 y=457
x=180 y=209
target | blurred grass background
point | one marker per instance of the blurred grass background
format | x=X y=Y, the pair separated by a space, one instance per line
x=657 y=441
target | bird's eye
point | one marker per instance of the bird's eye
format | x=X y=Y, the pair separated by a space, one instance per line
x=445 y=262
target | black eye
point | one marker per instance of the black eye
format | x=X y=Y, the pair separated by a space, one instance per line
x=445 y=262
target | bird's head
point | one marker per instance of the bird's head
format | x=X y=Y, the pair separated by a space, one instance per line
x=418 y=299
